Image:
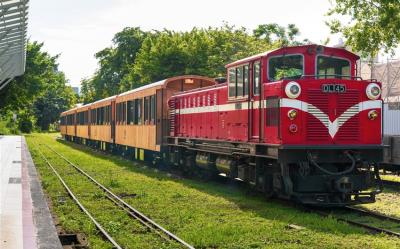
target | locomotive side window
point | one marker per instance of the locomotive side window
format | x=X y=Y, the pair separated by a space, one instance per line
x=286 y=66
x=238 y=82
x=246 y=80
x=256 y=78
x=331 y=67
x=232 y=82
x=239 y=76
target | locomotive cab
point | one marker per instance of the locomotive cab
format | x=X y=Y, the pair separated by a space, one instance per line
x=327 y=122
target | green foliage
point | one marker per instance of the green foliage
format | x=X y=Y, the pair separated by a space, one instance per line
x=200 y=51
x=114 y=63
x=138 y=58
x=374 y=24
x=274 y=33
x=7 y=124
x=39 y=95
x=25 y=121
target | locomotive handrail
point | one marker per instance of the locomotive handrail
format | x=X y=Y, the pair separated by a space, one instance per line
x=324 y=76
x=353 y=164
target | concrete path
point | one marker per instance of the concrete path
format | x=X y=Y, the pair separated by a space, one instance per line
x=25 y=220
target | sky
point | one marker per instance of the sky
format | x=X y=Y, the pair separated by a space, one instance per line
x=77 y=29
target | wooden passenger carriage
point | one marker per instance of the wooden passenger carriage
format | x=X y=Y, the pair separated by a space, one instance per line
x=67 y=124
x=137 y=119
x=101 y=120
x=142 y=113
x=82 y=121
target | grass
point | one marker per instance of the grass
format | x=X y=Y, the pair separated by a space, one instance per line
x=387 y=203
x=205 y=214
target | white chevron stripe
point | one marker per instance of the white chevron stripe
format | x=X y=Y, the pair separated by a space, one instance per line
x=333 y=127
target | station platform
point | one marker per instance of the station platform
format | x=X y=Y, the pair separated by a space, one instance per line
x=25 y=219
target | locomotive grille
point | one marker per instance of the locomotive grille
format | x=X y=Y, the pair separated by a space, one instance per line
x=316 y=131
x=348 y=107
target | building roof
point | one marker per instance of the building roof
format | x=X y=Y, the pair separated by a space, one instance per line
x=13 y=28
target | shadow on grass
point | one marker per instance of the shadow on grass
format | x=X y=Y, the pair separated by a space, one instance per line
x=234 y=192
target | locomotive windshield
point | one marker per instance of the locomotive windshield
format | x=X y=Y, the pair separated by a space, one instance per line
x=330 y=67
x=286 y=66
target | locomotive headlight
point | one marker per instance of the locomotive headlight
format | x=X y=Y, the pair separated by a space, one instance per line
x=372 y=115
x=293 y=89
x=292 y=114
x=373 y=91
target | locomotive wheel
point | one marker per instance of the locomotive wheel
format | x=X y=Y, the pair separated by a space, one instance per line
x=189 y=164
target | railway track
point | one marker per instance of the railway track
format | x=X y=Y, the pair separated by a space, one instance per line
x=391 y=183
x=131 y=211
x=343 y=218
x=372 y=221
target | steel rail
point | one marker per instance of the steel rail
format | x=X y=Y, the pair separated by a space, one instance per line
x=137 y=214
x=391 y=183
x=99 y=227
x=373 y=214
x=358 y=224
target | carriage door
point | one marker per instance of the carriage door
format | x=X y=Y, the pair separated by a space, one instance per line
x=112 y=114
x=255 y=102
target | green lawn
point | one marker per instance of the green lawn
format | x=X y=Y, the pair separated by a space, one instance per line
x=205 y=214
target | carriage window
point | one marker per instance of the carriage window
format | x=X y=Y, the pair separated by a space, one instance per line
x=256 y=78
x=287 y=66
x=131 y=112
x=146 y=110
x=232 y=82
x=109 y=114
x=138 y=111
x=329 y=67
x=117 y=114
x=92 y=116
x=153 y=109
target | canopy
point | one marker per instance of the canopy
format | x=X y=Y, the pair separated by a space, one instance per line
x=13 y=28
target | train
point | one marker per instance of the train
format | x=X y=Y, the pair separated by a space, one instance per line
x=294 y=122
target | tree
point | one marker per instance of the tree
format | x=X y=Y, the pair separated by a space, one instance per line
x=200 y=51
x=274 y=33
x=115 y=63
x=374 y=24
x=27 y=95
x=56 y=99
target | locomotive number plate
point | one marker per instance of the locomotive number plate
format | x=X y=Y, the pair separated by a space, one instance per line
x=333 y=88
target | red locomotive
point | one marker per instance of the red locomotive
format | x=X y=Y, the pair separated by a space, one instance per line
x=294 y=122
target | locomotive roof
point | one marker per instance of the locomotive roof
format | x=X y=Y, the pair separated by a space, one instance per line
x=289 y=49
